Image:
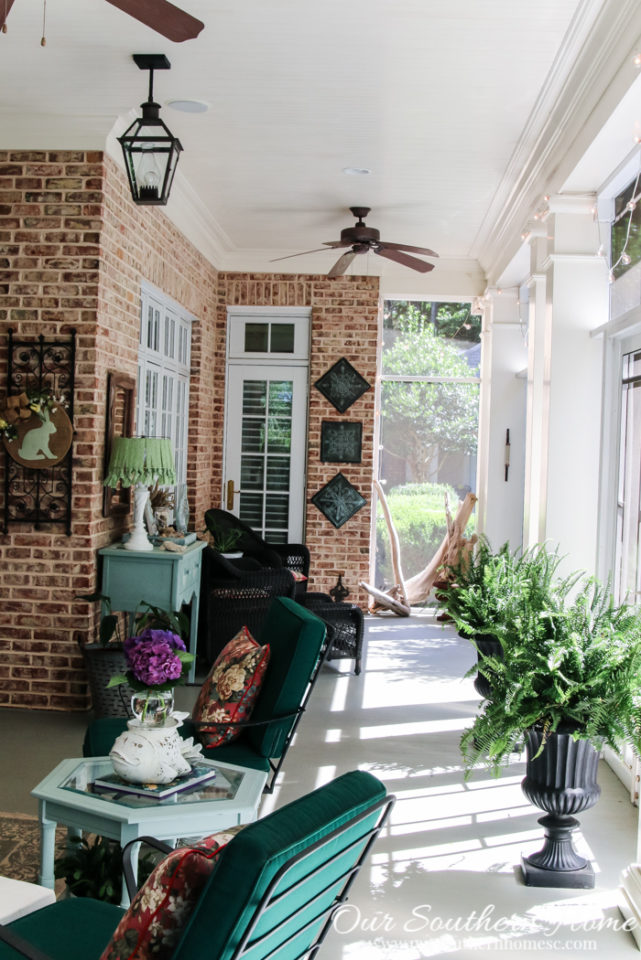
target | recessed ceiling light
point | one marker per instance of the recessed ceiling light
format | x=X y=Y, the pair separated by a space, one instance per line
x=188 y=106
x=356 y=171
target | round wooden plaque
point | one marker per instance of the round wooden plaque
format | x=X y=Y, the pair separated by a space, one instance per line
x=41 y=443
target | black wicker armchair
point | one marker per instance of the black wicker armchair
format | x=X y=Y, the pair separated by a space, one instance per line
x=292 y=556
x=234 y=594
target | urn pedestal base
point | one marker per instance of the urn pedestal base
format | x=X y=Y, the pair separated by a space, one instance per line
x=557 y=864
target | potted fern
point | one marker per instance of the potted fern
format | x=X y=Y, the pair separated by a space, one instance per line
x=568 y=681
x=484 y=589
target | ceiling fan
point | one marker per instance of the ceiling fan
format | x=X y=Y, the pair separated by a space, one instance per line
x=362 y=239
x=160 y=15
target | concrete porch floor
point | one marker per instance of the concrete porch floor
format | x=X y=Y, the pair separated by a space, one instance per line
x=444 y=878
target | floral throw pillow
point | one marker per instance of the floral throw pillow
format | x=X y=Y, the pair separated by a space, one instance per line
x=229 y=693
x=153 y=924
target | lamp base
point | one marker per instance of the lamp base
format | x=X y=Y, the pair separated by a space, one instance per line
x=139 y=539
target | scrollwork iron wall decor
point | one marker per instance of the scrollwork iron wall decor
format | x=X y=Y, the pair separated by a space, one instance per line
x=43 y=495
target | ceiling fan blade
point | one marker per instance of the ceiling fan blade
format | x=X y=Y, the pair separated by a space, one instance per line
x=301 y=254
x=338 y=243
x=398 y=257
x=4 y=10
x=342 y=264
x=163 y=17
x=403 y=246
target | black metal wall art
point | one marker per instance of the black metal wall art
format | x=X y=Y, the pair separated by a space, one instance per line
x=341 y=441
x=342 y=385
x=41 y=495
x=338 y=500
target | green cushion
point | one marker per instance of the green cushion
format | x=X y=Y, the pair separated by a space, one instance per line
x=253 y=857
x=295 y=637
x=77 y=929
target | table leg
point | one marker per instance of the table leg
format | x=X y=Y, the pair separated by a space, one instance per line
x=193 y=636
x=47 y=847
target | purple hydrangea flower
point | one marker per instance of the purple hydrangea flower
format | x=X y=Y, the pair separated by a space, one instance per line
x=152 y=656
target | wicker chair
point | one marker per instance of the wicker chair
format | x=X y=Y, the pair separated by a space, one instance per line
x=234 y=595
x=292 y=556
x=346 y=624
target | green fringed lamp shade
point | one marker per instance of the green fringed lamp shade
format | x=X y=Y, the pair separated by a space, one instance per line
x=141 y=460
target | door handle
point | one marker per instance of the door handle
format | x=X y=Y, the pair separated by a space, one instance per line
x=231 y=493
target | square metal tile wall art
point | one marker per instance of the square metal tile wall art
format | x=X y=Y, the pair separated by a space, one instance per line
x=342 y=385
x=341 y=441
x=338 y=500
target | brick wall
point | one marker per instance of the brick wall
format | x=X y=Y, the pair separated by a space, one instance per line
x=73 y=252
x=344 y=324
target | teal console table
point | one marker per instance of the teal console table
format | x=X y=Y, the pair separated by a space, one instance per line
x=159 y=577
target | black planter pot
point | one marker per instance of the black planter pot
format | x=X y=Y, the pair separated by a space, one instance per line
x=102 y=663
x=561 y=781
x=487 y=646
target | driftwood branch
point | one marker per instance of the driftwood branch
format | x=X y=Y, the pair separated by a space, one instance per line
x=417 y=589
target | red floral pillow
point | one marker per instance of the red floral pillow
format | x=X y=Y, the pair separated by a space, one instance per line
x=153 y=924
x=229 y=693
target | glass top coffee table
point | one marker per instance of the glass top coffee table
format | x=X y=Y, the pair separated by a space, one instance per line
x=67 y=796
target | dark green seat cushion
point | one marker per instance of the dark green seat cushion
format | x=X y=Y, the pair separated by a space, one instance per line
x=77 y=929
x=295 y=637
x=248 y=864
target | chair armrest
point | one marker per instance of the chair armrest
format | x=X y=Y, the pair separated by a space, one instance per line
x=127 y=857
x=20 y=945
x=198 y=724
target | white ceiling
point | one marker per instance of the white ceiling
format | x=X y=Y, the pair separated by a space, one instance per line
x=460 y=108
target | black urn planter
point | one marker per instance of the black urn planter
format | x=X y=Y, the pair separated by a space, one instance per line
x=561 y=781
x=486 y=646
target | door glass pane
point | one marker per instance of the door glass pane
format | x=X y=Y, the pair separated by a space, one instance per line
x=282 y=338
x=252 y=472
x=250 y=510
x=279 y=436
x=253 y=435
x=280 y=397
x=256 y=337
x=254 y=397
x=276 y=511
x=277 y=473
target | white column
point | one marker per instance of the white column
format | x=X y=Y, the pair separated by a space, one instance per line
x=569 y=297
x=503 y=391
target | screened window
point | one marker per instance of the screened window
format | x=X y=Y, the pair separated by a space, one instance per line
x=626 y=229
x=428 y=425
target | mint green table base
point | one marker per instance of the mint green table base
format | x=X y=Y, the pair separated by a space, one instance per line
x=96 y=813
x=158 y=577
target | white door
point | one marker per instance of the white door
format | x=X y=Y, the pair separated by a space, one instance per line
x=265 y=447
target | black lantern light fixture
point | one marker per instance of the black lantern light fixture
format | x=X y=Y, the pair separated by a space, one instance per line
x=150 y=149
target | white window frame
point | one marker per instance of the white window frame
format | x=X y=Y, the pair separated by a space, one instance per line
x=164 y=357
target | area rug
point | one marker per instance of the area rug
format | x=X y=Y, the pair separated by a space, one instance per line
x=20 y=846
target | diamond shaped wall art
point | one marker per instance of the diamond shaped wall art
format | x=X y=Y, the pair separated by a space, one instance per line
x=342 y=385
x=341 y=441
x=338 y=500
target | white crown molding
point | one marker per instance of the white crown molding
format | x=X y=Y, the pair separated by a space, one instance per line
x=592 y=70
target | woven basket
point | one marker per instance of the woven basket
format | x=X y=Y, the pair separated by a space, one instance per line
x=102 y=663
